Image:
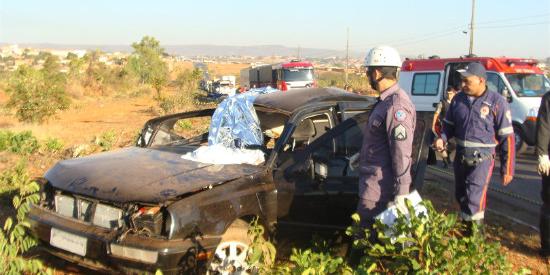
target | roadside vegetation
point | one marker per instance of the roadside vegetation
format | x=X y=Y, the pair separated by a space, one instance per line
x=427 y=243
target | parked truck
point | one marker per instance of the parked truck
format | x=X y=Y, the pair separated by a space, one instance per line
x=283 y=76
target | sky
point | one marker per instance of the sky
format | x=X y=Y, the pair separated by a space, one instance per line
x=428 y=27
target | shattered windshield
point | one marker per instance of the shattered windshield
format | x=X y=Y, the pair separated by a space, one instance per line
x=528 y=85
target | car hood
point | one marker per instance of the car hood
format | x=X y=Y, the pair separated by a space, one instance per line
x=140 y=175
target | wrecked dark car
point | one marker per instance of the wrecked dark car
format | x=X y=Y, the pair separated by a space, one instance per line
x=144 y=208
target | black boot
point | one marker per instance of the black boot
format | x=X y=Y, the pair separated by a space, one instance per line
x=432 y=159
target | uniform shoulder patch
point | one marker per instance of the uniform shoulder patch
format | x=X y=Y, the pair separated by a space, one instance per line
x=400 y=115
x=399 y=132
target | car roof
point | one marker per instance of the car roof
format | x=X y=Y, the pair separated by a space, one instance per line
x=289 y=101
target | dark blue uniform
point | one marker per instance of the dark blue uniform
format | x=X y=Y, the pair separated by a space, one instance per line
x=478 y=125
x=386 y=154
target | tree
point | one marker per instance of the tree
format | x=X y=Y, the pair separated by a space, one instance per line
x=146 y=62
x=75 y=64
x=37 y=94
x=188 y=81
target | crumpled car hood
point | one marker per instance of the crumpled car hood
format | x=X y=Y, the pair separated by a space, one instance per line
x=140 y=175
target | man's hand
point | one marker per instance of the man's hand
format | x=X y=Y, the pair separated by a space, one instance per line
x=544 y=165
x=354 y=161
x=439 y=145
x=506 y=179
x=400 y=204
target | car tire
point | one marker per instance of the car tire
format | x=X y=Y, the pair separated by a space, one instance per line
x=521 y=146
x=230 y=254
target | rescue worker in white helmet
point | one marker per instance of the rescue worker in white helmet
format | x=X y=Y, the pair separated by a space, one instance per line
x=385 y=158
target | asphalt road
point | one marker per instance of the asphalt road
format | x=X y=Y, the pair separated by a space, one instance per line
x=520 y=200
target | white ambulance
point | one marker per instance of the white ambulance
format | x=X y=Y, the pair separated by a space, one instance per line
x=517 y=79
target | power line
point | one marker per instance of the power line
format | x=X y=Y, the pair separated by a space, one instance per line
x=390 y=42
x=515 y=18
x=515 y=25
x=445 y=32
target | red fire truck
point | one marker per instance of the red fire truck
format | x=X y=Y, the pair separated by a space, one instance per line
x=283 y=76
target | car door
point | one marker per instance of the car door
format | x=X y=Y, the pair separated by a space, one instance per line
x=331 y=185
x=294 y=174
x=321 y=174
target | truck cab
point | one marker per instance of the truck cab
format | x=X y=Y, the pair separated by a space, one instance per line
x=282 y=76
x=519 y=80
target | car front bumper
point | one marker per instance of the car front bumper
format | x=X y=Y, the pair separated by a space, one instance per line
x=169 y=256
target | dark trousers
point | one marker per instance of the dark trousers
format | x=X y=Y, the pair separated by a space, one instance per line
x=545 y=216
x=368 y=210
x=471 y=185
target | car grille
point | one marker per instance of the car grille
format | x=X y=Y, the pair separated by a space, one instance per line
x=85 y=210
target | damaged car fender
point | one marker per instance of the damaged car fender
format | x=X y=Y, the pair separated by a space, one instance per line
x=211 y=212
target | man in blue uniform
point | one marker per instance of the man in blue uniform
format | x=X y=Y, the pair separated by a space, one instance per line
x=542 y=146
x=478 y=120
x=385 y=157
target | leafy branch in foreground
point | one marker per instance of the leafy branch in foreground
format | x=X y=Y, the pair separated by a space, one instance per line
x=14 y=240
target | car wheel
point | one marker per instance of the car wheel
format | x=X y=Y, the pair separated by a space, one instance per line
x=230 y=254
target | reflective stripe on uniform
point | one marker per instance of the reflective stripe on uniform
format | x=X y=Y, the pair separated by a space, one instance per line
x=506 y=131
x=449 y=122
x=466 y=143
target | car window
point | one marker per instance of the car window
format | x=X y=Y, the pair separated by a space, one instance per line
x=495 y=83
x=308 y=130
x=343 y=143
x=425 y=84
x=181 y=129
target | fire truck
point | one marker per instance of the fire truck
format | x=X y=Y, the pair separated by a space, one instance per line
x=283 y=76
x=519 y=80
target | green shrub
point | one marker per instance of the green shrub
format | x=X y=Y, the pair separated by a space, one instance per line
x=53 y=145
x=37 y=95
x=11 y=178
x=106 y=140
x=310 y=262
x=14 y=240
x=20 y=143
x=167 y=104
x=261 y=254
x=185 y=124
x=428 y=244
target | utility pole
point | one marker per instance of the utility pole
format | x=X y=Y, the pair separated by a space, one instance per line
x=299 y=52
x=347 y=58
x=472 y=28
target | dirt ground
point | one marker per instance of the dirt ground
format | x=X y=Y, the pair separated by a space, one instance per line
x=89 y=117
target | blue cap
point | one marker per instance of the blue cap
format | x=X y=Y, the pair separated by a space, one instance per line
x=473 y=68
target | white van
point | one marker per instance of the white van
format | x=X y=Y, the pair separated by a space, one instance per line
x=517 y=79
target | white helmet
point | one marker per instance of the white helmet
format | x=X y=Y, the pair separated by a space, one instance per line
x=383 y=56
